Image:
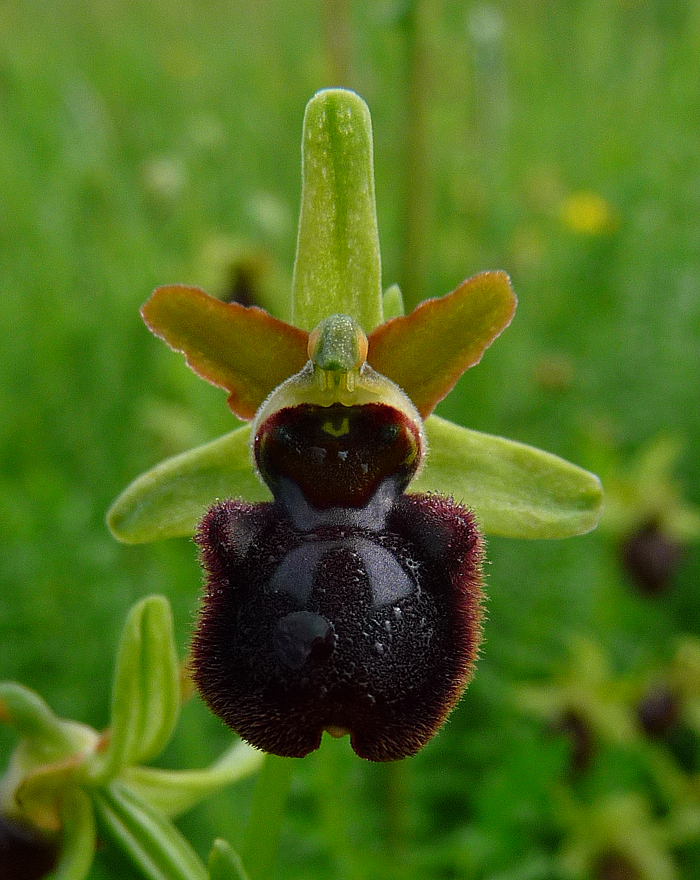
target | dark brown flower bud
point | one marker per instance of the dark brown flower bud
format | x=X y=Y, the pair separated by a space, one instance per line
x=650 y=558
x=344 y=605
x=658 y=711
x=24 y=853
x=615 y=866
x=580 y=737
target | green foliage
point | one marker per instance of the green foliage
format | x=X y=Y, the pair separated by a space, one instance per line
x=63 y=776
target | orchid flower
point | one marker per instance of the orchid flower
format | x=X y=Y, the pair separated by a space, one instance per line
x=340 y=528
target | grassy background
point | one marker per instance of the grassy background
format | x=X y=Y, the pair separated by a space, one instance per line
x=147 y=143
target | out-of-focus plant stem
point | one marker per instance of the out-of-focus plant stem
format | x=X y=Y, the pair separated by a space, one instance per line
x=269 y=801
x=397 y=783
x=337 y=42
x=334 y=810
x=417 y=199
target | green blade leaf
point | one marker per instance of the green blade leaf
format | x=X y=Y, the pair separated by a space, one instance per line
x=225 y=863
x=153 y=843
x=78 y=838
x=426 y=351
x=239 y=348
x=169 y=500
x=515 y=490
x=174 y=791
x=146 y=689
x=337 y=268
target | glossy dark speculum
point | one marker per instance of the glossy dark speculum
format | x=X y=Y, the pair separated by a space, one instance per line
x=345 y=604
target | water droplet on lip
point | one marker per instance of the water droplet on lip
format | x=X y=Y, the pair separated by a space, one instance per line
x=301 y=637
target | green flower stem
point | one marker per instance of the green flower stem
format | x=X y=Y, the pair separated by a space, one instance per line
x=272 y=789
x=397 y=784
x=334 y=810
x=337 y=268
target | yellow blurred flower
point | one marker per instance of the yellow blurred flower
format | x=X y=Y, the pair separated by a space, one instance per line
x=587 y=213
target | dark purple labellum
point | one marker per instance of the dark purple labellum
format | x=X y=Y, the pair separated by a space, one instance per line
x=344 y=605
x=25 y=854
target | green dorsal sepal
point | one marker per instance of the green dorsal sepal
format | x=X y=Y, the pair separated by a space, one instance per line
x=338 y=265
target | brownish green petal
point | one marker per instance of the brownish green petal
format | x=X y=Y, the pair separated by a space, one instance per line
x=242 y=349
x=426 y=351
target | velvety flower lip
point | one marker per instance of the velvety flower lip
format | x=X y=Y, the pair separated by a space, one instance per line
x=371 y=633
x=343 y=569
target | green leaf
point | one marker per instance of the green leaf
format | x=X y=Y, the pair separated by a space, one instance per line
x=152 y=842
x=426 y=351
x=169 y=500
x=174 y=791
x=225 y=863
x=78 y=837
x=337 y=268
x=244 y=350
x=146 y=689
x=515 y=490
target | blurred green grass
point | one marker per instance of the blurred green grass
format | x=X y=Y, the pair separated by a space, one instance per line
x=142 y=143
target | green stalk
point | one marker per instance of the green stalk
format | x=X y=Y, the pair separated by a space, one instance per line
x=397 y=795
x=335 y=811
x=269 y=800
